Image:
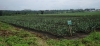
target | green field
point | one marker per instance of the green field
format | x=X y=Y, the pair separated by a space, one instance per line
x=78 y=13
x=12 y=36
x=55 y=24
x=52 y=24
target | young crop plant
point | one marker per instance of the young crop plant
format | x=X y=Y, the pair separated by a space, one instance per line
x=55 y=25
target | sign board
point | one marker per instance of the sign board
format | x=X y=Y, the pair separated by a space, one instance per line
x=69 y=22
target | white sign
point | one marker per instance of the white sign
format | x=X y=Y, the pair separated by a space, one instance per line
x=69 y=22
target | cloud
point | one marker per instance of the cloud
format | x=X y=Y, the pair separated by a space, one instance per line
x=47 y=4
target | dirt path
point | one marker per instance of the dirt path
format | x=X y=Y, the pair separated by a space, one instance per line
x=46 y=36
x=42 y=42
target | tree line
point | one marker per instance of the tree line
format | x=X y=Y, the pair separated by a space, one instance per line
x=12 y=12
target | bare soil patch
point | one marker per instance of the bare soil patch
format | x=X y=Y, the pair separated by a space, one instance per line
x=6 y=33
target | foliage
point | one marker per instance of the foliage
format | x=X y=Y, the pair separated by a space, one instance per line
x=56 y=25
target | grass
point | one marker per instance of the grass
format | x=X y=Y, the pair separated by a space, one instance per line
x=76 y=14
x=64 y=14
x=92 y=40
x=12 y=36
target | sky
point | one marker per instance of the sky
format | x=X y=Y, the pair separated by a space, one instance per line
x=48 y=4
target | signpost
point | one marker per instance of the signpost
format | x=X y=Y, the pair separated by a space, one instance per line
x=70 y=28
x=69 y=22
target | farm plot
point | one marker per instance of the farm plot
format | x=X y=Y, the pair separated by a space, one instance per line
x=56 y=25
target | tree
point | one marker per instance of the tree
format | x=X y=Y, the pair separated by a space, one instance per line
x=87 y=9
x=0 y=13
x=42 y=12
x=72 y=10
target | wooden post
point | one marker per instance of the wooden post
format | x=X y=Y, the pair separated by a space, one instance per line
x=70 y=30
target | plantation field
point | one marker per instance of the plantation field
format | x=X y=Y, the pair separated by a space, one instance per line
x=13 y=36
x=55 y=24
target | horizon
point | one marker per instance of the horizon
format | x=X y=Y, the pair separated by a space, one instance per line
x=48 y=4
x=51 y=9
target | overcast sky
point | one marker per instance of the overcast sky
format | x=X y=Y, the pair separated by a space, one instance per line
x=48 y=4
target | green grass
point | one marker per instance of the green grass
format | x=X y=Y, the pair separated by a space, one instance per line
x=9 y=36
x=75 y=14
x=64 y=14
x=92 y=40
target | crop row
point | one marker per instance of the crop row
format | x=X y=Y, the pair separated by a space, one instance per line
x=54 y=25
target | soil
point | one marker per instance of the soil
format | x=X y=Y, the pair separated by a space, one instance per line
x=6 y=33
x=46 y=36
x=42 y=42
